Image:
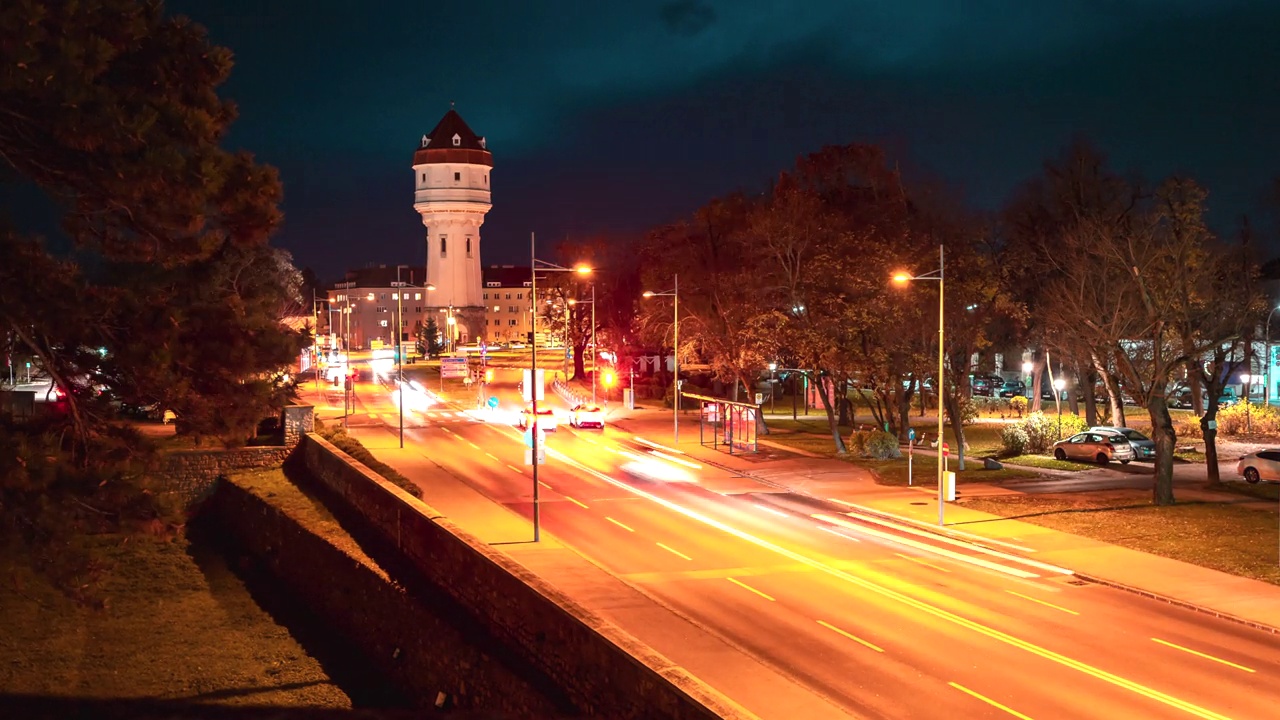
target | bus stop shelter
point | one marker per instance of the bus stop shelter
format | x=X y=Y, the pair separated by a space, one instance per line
x=728 y=422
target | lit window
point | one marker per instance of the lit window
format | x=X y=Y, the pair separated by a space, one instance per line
x=417 y=296
x=496 y=308
x=395 y=296
x=370 y=296
x=384 y=323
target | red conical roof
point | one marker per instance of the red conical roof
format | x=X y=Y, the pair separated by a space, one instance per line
x=452 y=141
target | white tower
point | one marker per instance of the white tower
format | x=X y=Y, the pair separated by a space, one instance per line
x=451 y=176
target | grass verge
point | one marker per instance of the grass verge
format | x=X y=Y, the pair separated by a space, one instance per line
x=1262 y=491
x=1233 y=539
x=1048 y=462
x=351 y=446
x=177 y=625
x=924 y=468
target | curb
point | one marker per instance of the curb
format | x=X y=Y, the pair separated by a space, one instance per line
x=1181 y=603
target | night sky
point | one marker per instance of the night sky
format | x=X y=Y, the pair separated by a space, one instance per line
x=612 y=117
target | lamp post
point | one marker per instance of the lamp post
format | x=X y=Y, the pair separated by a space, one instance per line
x=592 y=303
x=674 y=294
x=536 y=265
x=1244 y=382
x=1059 y=385
x=902 y=278
x=1027 y=367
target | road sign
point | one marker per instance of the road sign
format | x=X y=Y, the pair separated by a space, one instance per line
x=759 y=398
x=911 y=434
x=453 y=367
x=493 y=402
x=542 y=455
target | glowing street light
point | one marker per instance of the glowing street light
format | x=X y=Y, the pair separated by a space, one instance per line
x=1027 y=367
x=536 y=266
x=902 y=278
x=674 y=294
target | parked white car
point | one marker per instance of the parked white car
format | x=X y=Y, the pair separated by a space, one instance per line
x=1261 y=465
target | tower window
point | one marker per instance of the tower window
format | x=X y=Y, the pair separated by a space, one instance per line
x=444 y=246
x=457 y=140
x=468 y=247
x=424 y=178
x=457 y=176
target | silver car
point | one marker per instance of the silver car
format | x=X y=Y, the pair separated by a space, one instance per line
x=1143 y=447
x=1095 y=446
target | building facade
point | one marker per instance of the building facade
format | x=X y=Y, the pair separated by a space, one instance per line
x=363 y=307
x=451 y=169
x=506 y=295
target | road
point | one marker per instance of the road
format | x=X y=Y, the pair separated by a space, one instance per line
x=878 y=617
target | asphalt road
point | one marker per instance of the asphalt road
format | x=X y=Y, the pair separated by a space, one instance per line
x=878 y=617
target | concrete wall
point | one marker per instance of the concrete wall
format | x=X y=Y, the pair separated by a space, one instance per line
x=603 y=670
x=418 y=645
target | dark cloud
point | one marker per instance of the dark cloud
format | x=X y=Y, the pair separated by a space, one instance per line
x=687 y=17
x=607 y=117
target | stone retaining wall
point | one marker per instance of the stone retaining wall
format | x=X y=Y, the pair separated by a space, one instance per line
x=603 y=670
x=418 y=646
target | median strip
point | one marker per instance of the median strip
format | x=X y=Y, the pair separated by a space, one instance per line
x=575 y=502
x=923 y=562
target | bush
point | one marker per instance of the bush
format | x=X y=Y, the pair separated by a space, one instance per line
x=1187 y=428
x=1015 y=440
x=969 y=411
x=1247 y=417
x=1042 y=430
x=355 y=449
x=1018 y=404
x=876 y=444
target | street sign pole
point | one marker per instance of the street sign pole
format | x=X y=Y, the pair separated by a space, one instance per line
x=911 y=446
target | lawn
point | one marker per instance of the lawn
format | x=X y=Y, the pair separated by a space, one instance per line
x=924 y=468
x=1230 y=538
x=1048 y=462
x=177 y=625
x=1262 y=491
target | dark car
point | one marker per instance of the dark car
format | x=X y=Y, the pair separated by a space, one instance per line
x=1013 y=388
x=986 y=385
x=1143 y=447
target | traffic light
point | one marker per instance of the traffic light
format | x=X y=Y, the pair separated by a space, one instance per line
x=529 y=337
x=608 y=378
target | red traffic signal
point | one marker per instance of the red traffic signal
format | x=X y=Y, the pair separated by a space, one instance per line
x=608 y=378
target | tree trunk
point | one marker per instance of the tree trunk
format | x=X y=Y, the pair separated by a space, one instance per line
x=1197 y=397
x=1113 y=393
x=1090 y=379
x=761 y=427
x=1209 y=427
x=1163 y=435
x=824 y=393
x=904 y=415
x=1037 y=378
x=1072 y=402
x=579 y=361
x=957 y=429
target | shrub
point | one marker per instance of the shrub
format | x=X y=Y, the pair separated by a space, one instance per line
x=1247 y=417
x=1015 y=440
x=1042 y=430
x=1018 y=404
x=355 y=449
x=876 y=444
x=1187 y=428
x=969 y=411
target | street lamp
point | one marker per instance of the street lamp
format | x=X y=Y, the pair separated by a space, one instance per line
x=594 y=363
x=536 y=265
x=1027 y=367
x=674 y=294
x=903 y=278
x=773 y=370
x=1059 y=385
x=1244 y=380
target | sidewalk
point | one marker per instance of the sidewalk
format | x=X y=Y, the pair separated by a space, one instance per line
x=1251 y=602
